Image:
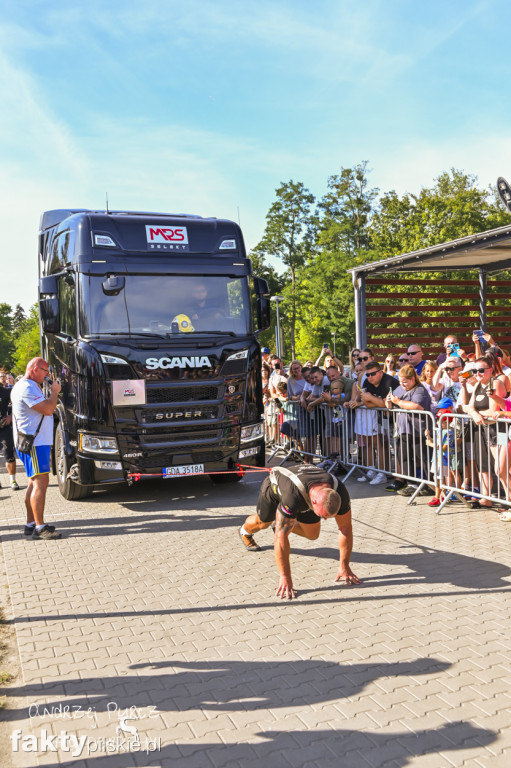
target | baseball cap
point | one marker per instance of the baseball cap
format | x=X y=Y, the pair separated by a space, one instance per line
x=265 y=351
x=445 y=402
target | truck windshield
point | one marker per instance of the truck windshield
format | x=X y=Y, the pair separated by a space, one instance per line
x=164 y=304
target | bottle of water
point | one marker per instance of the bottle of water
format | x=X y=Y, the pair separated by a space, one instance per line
x=354 y=448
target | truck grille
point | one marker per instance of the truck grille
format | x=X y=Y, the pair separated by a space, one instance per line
x=179 y=438
x=182 y=394
x=198 y=413
x=169 y=460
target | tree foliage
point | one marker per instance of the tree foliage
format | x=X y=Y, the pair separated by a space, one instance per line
x=351 y=226
x=27 y=343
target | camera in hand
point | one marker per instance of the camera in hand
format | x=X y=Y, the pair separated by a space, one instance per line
x=277 y=366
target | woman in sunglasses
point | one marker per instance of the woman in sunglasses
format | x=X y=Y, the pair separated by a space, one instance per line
x=494 y=356
x=481 y=434
x=390 y=366
x=350 y=372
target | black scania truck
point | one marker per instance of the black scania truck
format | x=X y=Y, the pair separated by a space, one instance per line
x=148 y=322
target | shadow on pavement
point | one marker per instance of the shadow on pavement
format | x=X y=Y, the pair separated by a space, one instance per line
x=234 y=686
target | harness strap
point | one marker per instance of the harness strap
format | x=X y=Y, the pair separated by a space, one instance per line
x=276 y=471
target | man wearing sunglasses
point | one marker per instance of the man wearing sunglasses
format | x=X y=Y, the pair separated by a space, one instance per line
x=415 y=358
x=33 y=413
x=378 y=384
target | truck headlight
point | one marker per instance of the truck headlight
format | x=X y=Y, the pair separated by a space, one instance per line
x=96 y=444
x=254 y=432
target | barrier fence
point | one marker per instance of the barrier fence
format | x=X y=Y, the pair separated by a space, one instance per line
x=462 y=460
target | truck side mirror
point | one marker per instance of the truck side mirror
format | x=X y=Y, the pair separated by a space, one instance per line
x=49 y=311
x=263 y=304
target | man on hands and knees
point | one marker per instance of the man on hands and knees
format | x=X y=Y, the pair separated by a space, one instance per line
x=297 y=500
x=33 y=415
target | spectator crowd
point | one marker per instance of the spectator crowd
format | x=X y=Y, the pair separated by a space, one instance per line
x=324 y=404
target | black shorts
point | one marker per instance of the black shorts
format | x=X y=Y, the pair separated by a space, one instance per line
x=7 y=444
x=268 y=502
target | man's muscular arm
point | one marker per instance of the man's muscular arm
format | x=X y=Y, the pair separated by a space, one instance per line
x=283 y=527
x=345 y=547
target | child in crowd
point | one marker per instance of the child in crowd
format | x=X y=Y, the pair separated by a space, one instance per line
x=450 y=462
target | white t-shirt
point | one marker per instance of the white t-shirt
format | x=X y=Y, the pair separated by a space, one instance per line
x=24 y=395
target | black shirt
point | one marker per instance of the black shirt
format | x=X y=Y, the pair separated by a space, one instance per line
x=386 y=384
x=292 y=502
x=5 y=401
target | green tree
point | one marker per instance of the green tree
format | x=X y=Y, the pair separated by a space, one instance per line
x=453 y=207
x=27 y=343
x=342 y=240
x=18 y=317
x=6 y=341
x=287 y=223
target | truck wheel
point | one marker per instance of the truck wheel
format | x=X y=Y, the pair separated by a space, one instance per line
x=223 y=479
x=68 y=489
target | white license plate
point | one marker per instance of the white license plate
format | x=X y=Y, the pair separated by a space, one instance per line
x=183 y=470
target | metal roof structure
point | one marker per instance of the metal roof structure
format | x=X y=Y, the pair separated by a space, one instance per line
x=490 y=251
x=486 y=252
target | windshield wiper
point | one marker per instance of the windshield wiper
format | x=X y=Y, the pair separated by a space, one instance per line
x=215 y=333
x=125 y=333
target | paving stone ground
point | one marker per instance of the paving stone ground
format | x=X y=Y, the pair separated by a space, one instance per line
x=150 y=608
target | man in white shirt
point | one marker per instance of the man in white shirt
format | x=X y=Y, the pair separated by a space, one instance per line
x=33 y=415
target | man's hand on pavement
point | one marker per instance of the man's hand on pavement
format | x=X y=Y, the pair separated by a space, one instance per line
x=345 y=573
x=285 y=588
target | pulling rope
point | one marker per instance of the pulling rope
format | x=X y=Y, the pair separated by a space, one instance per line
x=240 y=471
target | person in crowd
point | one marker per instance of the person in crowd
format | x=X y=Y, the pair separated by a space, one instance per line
x=330 y=359
x=265 y=355
x=446 y=379
x=415 y=356
x=410 y=448
x=334 y=418
x=32 y=411
x=350 y=372
x=3 y=378
x=297 y=500
x=363 y=423
x=296 y=380
x=10 y=381
x=494 y=355
x=402 y=360
x=480 y=406
x=6 y=437
x=333 y=374
x=449 y=461
x=378 y=384
x=448 y=342
x=390 y=365
x=277 y=375
x=311 y=398
x=426 y=379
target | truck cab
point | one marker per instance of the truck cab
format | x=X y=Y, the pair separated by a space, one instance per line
x=150 y=323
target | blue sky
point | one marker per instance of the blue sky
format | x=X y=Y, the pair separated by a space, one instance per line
x=206 y=107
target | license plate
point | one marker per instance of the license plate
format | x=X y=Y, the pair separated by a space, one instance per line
x=183 y=471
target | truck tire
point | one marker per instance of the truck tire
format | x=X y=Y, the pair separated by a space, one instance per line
x=68 y=489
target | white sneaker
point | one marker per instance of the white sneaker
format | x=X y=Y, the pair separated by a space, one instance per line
x=371 y=473
x=364 y=478
x=380 y=477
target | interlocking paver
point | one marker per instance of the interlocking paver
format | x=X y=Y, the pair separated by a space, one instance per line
x=150 y=601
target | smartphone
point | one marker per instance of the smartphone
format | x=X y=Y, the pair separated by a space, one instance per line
x=454 y=349
x=482 y=341
x=325 y=346
x=326 y=388
x=277 y=366
x=491 y=387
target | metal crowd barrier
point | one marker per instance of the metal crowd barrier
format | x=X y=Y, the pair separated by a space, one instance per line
x=452 y=454
x=474 y=458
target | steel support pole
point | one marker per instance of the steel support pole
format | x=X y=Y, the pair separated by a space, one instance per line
x=482 y=300
x=363 y=316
